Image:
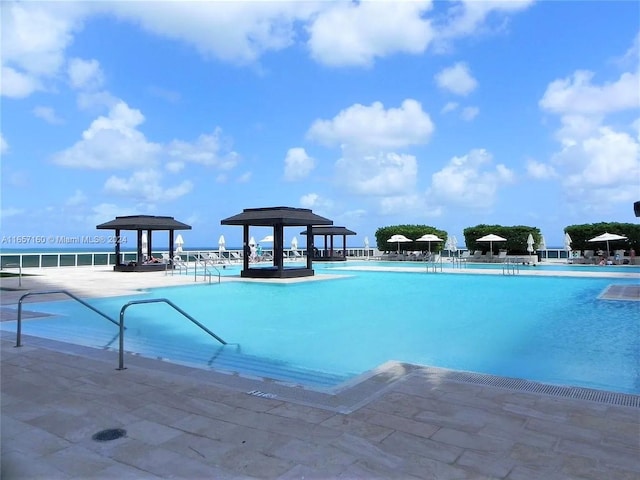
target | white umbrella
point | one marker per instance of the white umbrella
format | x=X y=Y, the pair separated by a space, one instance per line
x=294 y=243
x=451 y=244
x=429 y=237
x=530 y=244
x=221 y=245
x=366 y=247
x=491 y=238
x=567 y=244
x=145 y=243
x=607 y=237
x=542 y=246
x=179 y=243
x=399 y=238
x=267 y=239
x=252 y=242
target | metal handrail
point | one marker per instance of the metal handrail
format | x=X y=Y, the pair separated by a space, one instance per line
x=204 y=262
x=510 y=266
x=155 y=300
x=19 y=325
x=430 y=262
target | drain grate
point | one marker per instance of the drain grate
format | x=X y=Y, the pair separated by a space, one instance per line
x=600 y=396
x=109 y=434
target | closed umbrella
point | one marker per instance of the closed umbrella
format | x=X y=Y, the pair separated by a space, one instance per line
x=451 y=244
x=399 y=238
x=530 y=248
x=491 y=238
x=567 y=244
x=221 y=245
x=542 y=246
x=366 y=247
x=429 y=237
x=179 y=243
x=608 y=237
x=145 y=246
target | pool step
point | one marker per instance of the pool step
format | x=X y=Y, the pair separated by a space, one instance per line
x=216 y=356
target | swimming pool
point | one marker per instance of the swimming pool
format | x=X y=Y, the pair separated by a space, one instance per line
x=548 y=329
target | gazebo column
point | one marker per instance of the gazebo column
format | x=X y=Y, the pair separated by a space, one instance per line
x=278 y=249
x=245 y=247
x=139 y=247
x=149 y=247
x=171 y=247
x=310 y=248
x=118 y=247
x=344 y=246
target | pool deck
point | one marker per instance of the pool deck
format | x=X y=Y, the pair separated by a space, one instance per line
x=400 y=421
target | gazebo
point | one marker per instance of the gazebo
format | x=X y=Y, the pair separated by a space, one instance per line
x=328 y=254
x=140 y=224
x=278 y=218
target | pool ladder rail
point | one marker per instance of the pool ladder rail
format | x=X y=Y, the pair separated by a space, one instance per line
x=119 y=324
x=510 y=266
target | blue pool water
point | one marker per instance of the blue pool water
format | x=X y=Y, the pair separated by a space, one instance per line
x=549 y=329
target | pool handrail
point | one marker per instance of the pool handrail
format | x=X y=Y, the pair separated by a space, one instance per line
x=69 y=294
x=155 y=300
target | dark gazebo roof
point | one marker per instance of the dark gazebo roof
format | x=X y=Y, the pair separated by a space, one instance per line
x=329 y=230
x=268 y=217
x=144 y=222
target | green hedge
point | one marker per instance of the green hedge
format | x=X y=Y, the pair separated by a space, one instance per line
x=412 y=232
x=516 y=238
x=580 y=235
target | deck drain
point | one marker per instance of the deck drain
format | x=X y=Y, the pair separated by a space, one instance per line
x=109 y=434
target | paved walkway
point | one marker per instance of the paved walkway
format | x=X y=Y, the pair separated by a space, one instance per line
x=401 y=422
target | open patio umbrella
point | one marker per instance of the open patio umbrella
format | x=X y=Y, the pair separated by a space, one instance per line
x=399 y=238
x=267 y=239
x=607 y=237
x=491 y=238
x=429 y=237
x=179 y=243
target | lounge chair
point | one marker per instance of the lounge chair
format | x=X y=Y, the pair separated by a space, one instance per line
x=477 y=256
x=502 y=256
x=235 y=257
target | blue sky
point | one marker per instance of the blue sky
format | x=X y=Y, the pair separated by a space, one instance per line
x=448 y=113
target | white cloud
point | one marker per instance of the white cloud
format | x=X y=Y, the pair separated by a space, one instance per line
x=469 y=181
x=297 y=164
x=315 y=201
x=469 y=113
x=367 y=127
x=456 y=79
x=599 y=164
x=577 y=95
x=174 y=167
x=206 y=150
x=48 y=114
x=85 y=74
x=350 y=33
x=11 y=212
x=245 y=177
x=111 y=142
x=4 y=146
x=231 y=31
x=467 y=17
x=144 y=185
x=78 y=198
x=449 y=107
x=381 y=174
x=34 y=37
x=540 y=171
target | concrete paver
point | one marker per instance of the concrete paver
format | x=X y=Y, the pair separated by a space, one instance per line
x=403 y=422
